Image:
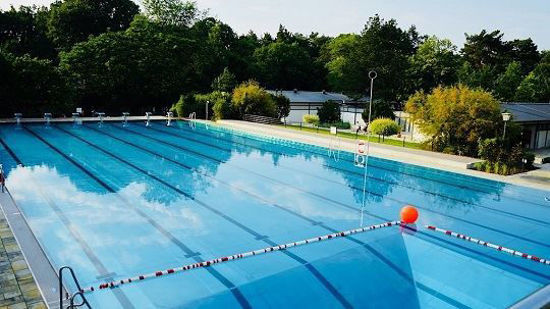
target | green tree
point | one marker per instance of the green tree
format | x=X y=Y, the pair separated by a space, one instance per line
x=136 y=70
x=477 y=78
x=380 y=109
x=283 y=106
x=32 y=86
x=341 y=56
x=456 y=117
x=225 y=82
x=508 y=82
x=282 y=65
x=171 y=12
x=329 y=112
x=250 y=98
x=24 y=31
x=526 y=53
x=487 y=49
x=435 y=63
x=536 y=86
x=73 y=21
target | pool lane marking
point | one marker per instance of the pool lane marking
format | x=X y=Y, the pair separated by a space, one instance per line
x=96 y=262
x=489 y=245
x=302 y=190
x=327 y=284
x=226 y=282
x=360 y=174
x=366 y=246
x=239 y=256
x=427 y=235
x=396 y=268
x=286 y=141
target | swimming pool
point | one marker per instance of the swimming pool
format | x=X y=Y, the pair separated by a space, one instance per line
x=114 y=201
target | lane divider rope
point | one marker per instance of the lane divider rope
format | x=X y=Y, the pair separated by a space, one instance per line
x=490 y=245
x=208 y=263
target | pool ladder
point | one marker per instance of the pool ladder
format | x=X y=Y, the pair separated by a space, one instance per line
x=72 y=298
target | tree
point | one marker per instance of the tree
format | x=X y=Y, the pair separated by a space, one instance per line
x=435 y=63
x=508 y=82
x=341 y=56
x=140 y=69
x=73 y=21
x=24 y=31
x=526 y=53
x=225 y=82
x=250 y=98
x=456 y=117
x=477 y=78
x=384 y=127
x=282 y=65
x=283 y=106
x=380 y=109
x=536 y=86
x=329 y=112
x=486 y=49
x=171 y=12
x=32 y=86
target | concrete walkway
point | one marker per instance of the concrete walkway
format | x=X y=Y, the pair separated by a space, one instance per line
x=537 y=179
x=17 y=286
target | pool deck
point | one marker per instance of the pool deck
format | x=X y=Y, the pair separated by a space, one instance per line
x=539 y=178
x=17 y=285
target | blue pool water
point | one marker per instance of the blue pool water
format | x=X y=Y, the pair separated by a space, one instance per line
x=114 y=202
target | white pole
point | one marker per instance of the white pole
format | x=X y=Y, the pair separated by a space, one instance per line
x=372 y=76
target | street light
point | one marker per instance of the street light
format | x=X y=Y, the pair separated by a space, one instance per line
x=505 y=117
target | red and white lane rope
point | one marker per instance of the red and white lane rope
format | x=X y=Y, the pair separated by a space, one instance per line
x=238 y=256
x=490 y=245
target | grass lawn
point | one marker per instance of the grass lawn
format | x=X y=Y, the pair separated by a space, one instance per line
x=373 y=139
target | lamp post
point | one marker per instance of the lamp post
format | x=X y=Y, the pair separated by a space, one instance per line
x=505 y=117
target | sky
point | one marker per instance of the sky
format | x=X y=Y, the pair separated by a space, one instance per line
x=443 y=18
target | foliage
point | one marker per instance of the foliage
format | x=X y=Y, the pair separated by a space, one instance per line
x=341 y=55
x=456 y=117
x=435 y=63
x=219 y=104
x=283 y=106
x=311 y=119
x=171 y=12
x=32 y=86
x=180 y=108
x=536 y=86
x=508 y=82
x=24 y=31
x=338 y=124
x=225 y=82
x=329 y=112
x=502 y=159
x=73 y=21
x=380 y=109
x=250 y=98
x=384 y=126
x=135 y=70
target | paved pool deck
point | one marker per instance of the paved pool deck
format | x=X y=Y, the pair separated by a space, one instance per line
x=17 y=286
x=539 y=178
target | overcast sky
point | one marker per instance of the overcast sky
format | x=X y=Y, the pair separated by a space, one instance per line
x=444 y=18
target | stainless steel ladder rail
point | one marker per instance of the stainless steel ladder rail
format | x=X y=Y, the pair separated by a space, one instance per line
x=72 y=298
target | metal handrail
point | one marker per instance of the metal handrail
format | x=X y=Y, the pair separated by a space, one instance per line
x=72 y=298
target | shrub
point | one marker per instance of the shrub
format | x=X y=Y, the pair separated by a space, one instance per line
x=283 y=106
x=186 y=105
x=220 y=104
x=311 y=119
x=329 y=112
x=384 y=126
x=250 y=98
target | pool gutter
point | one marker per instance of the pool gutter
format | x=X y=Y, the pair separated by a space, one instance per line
x=43 y=272
x=538 y=299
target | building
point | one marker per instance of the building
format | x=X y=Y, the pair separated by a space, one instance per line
x=535 y=121
x=307 y=102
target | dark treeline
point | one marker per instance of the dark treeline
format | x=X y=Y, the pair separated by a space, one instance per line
x=106 y=55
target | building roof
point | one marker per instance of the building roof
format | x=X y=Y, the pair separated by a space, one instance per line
x=527 y=112
x=298 y=96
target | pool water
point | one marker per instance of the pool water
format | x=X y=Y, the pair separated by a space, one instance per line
x=115 y=201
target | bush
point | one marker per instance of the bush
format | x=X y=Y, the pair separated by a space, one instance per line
x=384 y=126
x=311 y=119
x=380 y=109
x=219 y=106
x=283 y=106
x=503 y=160
x=546 y=160
x=329 y=112
x=250 y=98
x=186 y=105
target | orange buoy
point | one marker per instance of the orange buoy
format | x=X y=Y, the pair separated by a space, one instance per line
x=409 y=214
